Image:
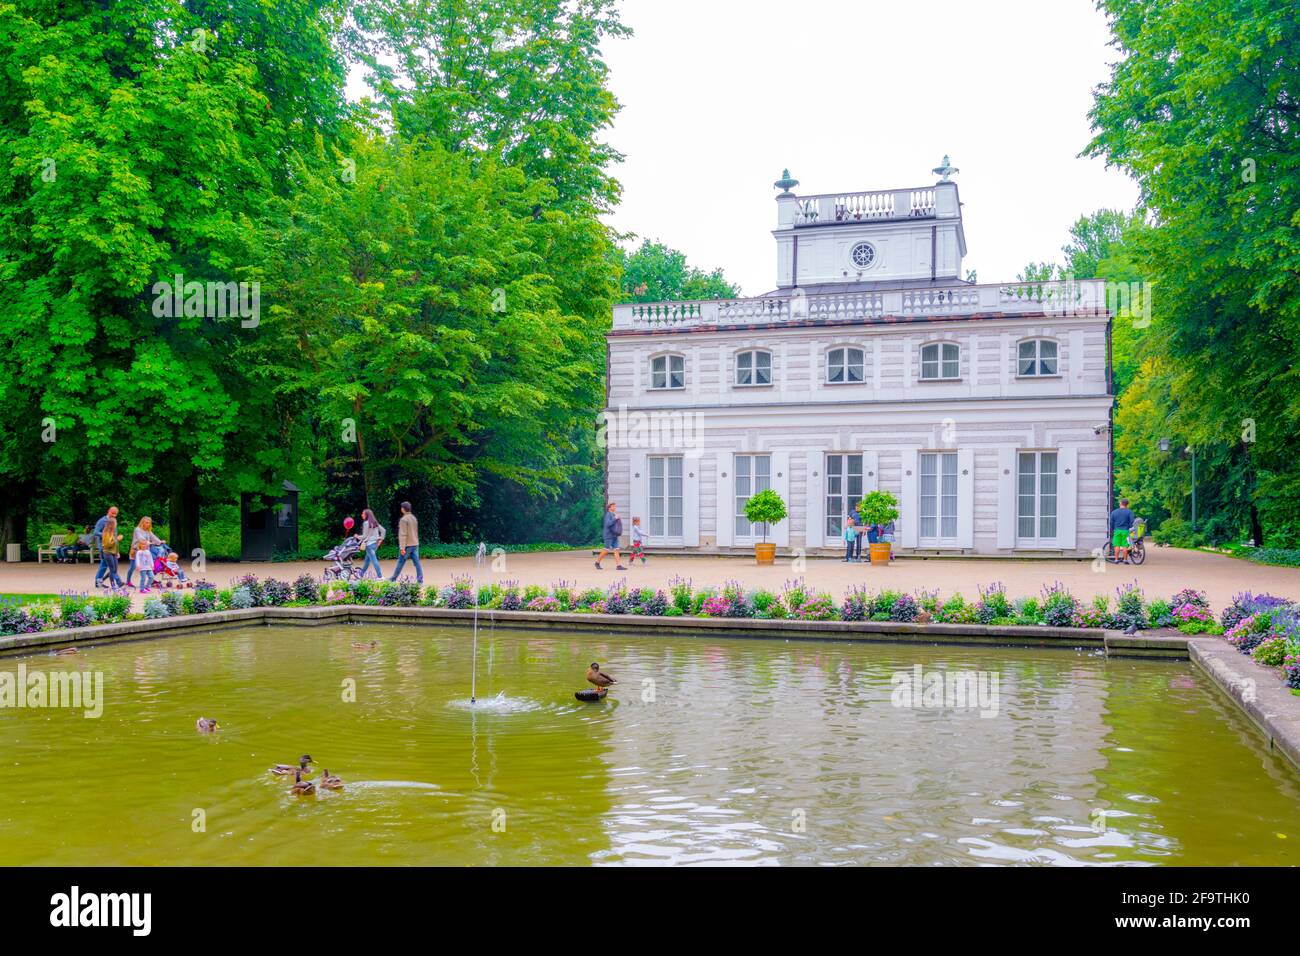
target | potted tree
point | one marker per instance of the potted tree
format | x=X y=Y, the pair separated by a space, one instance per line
x=879 y=508
x=765 y=508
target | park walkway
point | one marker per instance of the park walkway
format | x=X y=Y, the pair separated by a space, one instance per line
x=1166 y=571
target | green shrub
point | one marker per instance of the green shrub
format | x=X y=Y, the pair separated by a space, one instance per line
x=680 y=589
x=1272 y=652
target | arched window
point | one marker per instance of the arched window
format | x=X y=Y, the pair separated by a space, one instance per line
x=940 y=361
x=1036 y=357
x=845 y=366
x=668 y=371
x=754 y=367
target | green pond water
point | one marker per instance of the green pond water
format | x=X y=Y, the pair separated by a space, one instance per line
x=749 y=752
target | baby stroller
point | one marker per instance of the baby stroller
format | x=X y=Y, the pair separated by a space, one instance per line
x=342 y=555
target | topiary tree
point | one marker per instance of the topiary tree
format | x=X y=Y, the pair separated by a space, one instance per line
x=765 y=508
x=878 y=507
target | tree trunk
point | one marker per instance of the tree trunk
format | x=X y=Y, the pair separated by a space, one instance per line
x=1256 y=529
x=13 y=514
x=183 y=516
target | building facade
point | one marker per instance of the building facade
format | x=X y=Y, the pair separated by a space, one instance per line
x=984 y=408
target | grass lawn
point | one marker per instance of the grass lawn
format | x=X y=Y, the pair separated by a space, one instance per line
x=28 y=598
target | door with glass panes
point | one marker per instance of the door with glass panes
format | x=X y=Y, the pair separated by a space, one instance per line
x=1036 y=514
x=753 y=473
x=938 y=500
x=664 y=498
x=844 y=488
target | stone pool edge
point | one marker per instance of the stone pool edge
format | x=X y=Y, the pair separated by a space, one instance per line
x=1258 y=691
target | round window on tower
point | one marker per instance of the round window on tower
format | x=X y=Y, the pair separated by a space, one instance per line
x=863 y=255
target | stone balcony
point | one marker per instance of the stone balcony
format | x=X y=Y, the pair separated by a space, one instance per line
x=1068 y=298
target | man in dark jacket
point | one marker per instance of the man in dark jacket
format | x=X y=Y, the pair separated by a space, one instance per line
x=611 y=530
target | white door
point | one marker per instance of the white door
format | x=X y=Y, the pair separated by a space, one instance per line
x=938 y=499
x=844 y=489
x=1036 y=499
x=753 y=473
x=664 y=500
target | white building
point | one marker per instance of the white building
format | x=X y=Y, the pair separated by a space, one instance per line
x=873 y=364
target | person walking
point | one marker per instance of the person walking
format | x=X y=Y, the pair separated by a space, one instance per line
x=109 y=544
x=408 y=544
x=110 y=515
x=1121 y=522
x=372 y=536
x=611 y=530
x=142 y=539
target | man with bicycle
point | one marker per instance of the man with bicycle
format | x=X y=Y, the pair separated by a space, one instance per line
x=1121 y=522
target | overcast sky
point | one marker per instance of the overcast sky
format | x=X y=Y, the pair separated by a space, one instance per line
x=720 y=95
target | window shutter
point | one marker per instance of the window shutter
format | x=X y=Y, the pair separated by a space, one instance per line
x=639 y=505
x=690 y=500
x=779 y=534
x=814 y=535
x=1067 y=497
x=1006 y=497
x=910 y=505
x=965 y=498
x=726 y=499
x=870 y=472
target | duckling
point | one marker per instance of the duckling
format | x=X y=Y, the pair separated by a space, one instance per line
x=598 y=677
x=301 y=787
x=205 y=725
x=330 y=782
x=284 y=769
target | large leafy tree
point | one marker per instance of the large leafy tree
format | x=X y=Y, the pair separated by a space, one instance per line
x=432 y=329
x=520 y=81
x=655 y=273
x=139 y=141
x=1203 y=109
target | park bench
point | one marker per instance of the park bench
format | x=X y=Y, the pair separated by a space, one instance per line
x=51 y=549
x=55 y=541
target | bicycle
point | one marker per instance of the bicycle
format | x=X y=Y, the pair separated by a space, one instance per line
x=1137 y=549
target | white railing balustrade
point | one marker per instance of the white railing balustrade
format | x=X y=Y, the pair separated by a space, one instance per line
x=1082 y=297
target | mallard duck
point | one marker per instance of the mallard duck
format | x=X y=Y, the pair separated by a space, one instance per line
x=598 y=677
x=330 y=782
x=284 y=769
x=205 y=725
x=301 y=787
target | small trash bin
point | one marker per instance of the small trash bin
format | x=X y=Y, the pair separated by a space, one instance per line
x=14 y=552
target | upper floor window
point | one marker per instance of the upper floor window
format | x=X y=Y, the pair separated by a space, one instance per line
x=863 y=255
x=844 y=366
x=754 y=368
x=939 y=361
x=1037 y=357
x=668 y=371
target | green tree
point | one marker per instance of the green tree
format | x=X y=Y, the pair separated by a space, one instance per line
x=433 y=332
x=1201 y=109
x=656 y=273
x=140 y=141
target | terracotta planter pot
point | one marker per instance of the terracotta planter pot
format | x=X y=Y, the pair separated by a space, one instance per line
x=880 y=552
x=765 y=553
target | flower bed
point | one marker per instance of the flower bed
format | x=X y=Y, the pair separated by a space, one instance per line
x=1268 y=629
x=1268 y=618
